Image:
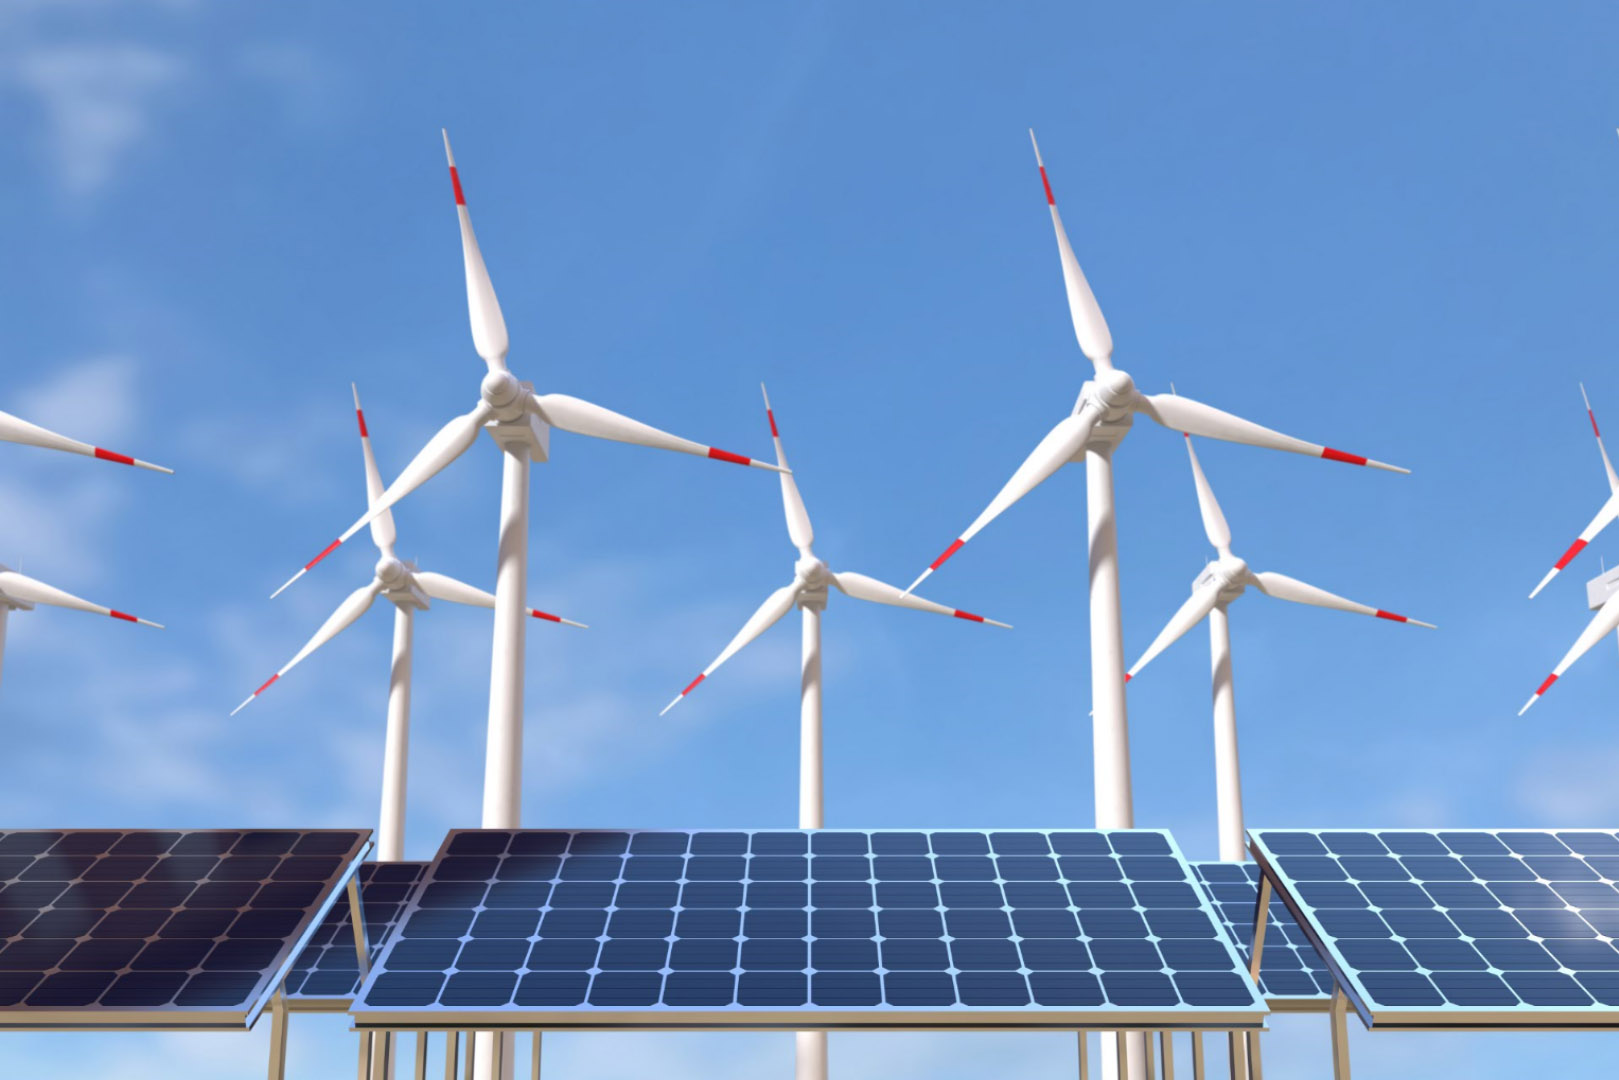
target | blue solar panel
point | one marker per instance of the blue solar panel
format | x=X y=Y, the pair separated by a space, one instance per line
x=154 y=928
x=791 y=929
x=327 y=973
x=1459 y=928
x=1292 y=975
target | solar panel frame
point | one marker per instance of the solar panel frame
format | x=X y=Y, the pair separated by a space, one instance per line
x=1289 y=954
x=96 y=857
x=385 y=889
x=754 y=877
x=1449 y=885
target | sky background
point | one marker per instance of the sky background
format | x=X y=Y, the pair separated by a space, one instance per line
x=1390 y=228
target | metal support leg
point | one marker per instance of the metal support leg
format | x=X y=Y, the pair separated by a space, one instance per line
x=1255 y=1070
x=452 y=1050
x=1166 y=1053
x=535 y=1068
x=382 y=1055
x=472 y=1052
x=420 y=1072
x=365 y=1055
x=278 y=1037
x=1237 y=1051
x=1340 y=1034
x=1197 y=1055
x=1147 y=1042
x=1256 y=951
x=1084 y=1057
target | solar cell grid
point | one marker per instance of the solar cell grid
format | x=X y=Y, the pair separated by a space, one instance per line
x=776 y=927
x=327 y=971
x=1463 y=927
x=164 y=928
x=1292 y=975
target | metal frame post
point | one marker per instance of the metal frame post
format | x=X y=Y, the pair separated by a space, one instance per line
x=278 y=1031
x=1084 y=1057
x=452 y=1051
x=1339 y=1013
x=535 y=1067
x=420 y=1072
x=1197 y=1055
x=1166 y=1053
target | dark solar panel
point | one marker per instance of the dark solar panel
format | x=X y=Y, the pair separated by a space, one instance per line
x=327 y=973
x=1292 y=975
x=1464 y=928
x=158 y=928
x=793 y=928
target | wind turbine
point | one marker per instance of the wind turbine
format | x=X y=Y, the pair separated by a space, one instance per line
x=17 y=430
x=1221 y=582
x=19 y=592
x=1609 y=511
x=410 y=590
x=1107 y=406
x=812 y=583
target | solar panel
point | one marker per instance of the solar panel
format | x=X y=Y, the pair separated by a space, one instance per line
x=1292 y=975
x=792 y=929
x=326 y=974
x=1459 y=928
x=159 y=928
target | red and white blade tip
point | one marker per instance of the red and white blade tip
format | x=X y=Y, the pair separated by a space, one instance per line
x=970 y=617
x=944 y=556
x=255 y=694
x=548 y=617
x=1568 y=556
x=333 y=546
x=1045 y=182
x=125 y=459
x=717 y=454
x=1329 y=454
x=1545 y=686
x=682 y=695
x=359 y=413
x=1589 y=413
x=769 y=412
x=126 y=617
x=1392 y=617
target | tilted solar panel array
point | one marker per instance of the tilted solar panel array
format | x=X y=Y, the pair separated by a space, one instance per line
x=1460 y=928
x=776 y=928
x=158 y=928
x=327 y=972
x=1292 y=974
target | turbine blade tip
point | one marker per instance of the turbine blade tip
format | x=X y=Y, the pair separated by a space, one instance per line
x=1002 y=625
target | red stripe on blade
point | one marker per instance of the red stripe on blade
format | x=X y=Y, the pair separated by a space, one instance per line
x=1568 y=556
x=266 y=685
x=949 y=551
x=327 y=551
x=1128 y=676
x=693 y=685
x=123 y=616
x=1391 y=615
x=969 y=616
x=1051 y=200
x=725 y=455
x=1546 y=685
x=455 y=178
x=108 y=455
x=538 y=614
x=364 y=434
x=1593 y=417
x=1338 y=455
x=774 y=434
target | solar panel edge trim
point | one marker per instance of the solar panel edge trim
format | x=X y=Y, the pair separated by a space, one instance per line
x=658 y=1015
x=338 y=895
x=173 y=1017
x=1523 y=1016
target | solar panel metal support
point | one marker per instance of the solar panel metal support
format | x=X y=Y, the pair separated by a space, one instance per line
x=534 y=1069
x=382 y=1055
x=1256 y=1071
x=1166 y=1053
x=278 y=1036
x=472 y=1052
x=1147 y=1055
x=1340 y=1033
x=365 y=1056
x=362 y=950
x=1197 y=1055
x=1237 y=1055
x=1256 y=951
x=420 y=1072
x=452 y=1051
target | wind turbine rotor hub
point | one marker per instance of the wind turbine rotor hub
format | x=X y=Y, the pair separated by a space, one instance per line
x=1114 y=389
x=812 y=572
x=1231 y=574
x=391 y=572
x=500 y=388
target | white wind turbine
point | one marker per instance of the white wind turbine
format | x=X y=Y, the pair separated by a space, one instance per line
x=808 y=591
x=410 y=591
x=19 y=592
x=1606 y=620
x=1100 y=419
x=1221 y=582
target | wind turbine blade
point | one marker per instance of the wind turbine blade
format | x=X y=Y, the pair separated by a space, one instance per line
x=1192 y=612
x=1607 y=466
x=1214 y=523
x=444 y=587
x=1283 y=587
x=383 y=532
x=352 y=607
x=862 y=587
x=1194 y=418
x=769 y=613
x=451 y=441
x=1095 y=341
x=799 y=529
x=488 y=325
x=1056 y=449
x=582 y=418
x=1609 y=511
x=32 y=591
x=1603 y=623
x=17 y=430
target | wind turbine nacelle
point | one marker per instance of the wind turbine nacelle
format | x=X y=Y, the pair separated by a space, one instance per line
x=1601 y=587
x=527 y=431
x=9 y=604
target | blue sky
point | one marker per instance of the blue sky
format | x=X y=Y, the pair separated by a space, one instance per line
x=1388 y=228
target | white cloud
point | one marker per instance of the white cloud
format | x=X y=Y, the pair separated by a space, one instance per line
x=94 y=400
x=97 y=100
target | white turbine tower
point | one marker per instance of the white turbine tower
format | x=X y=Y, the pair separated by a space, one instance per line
x=1606 y=620
x=808 y=591
x=1221 y=582
x=410 y=590
x=520 y=422
x=1100 y=419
